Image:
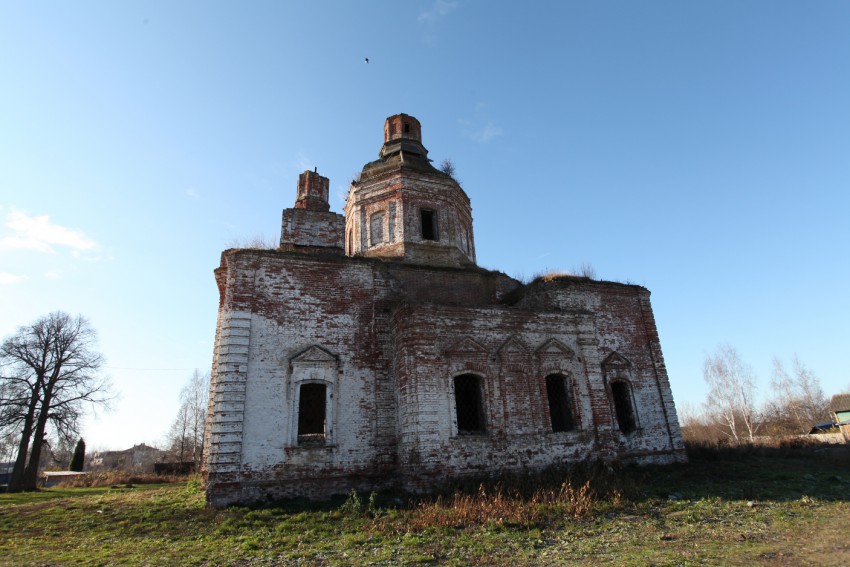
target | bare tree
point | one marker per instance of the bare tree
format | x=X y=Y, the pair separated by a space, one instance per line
x=186 y=436
x=695 y=425
x=731 y=396
x=447 y=166
x=178 y=435
x=50 y=371
x=8 y=446
x=798 y=400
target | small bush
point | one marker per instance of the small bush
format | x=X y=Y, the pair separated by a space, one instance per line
x=353 y=505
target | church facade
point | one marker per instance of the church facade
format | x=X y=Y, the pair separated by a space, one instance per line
x=370 y=351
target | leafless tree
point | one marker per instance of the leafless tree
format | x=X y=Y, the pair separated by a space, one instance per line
x=8 y=446
x=50 y=372
x=696 y=426
x=731 y=397
x=447 y=166
x=186 y=437
x=798 y=400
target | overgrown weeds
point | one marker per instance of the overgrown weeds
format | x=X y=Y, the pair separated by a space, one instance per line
x=117 y=478
x=781 y=447
x=527 y=500
x=495 y=505
x=353 y=505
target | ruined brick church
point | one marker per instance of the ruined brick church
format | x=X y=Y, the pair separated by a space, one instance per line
x=370 y=351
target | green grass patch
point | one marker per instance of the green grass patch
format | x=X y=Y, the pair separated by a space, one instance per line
x=747 y=510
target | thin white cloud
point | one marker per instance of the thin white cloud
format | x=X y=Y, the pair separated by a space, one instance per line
x=481 y=133
x=439 y=9
x=302 y=162
x=39 y=234
x=52 y=275
x=6 y=278
x=193 y=193
x=487 y=133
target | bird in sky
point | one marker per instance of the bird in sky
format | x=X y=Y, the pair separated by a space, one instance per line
x=366 y=60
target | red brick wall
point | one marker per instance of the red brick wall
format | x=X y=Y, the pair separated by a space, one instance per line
x=400 y=334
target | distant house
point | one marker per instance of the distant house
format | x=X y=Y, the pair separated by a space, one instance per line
x=140 y=458
x=839 y=411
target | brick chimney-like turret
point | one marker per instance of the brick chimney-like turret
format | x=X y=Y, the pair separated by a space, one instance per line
x=402 y=126
x=312 y=192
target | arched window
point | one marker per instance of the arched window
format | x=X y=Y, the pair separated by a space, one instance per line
x=560 y=411
x=623 y=408
x=469 y=406
x=314 y=381
x=617 y=371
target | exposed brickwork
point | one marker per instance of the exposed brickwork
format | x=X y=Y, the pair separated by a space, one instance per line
x=309 y=224
x=312 y=192
x=384 y=209
x=384 y=332
x=402 y=126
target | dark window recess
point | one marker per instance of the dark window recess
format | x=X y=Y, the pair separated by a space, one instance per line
x=406 y=128
x=470 y=410
x=429 y=225
x=376 y=228
x=559 y=403
x=311 y=414
x=623 y=407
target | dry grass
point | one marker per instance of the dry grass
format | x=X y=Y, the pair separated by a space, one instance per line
x=778 y=447
x=498 y=506
x=750 y=509
x=115 y=478
x=585 y=271
x=256 y=242
x=551 y=275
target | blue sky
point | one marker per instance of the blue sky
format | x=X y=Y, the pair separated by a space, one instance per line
x=699 y=149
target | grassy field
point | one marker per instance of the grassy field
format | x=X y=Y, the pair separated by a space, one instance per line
x=764 y=507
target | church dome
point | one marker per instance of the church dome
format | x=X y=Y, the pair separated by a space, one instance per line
x=403 y=208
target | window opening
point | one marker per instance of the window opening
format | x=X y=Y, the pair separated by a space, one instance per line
x=429 y=225
x=470 y=410
x=311 y=414
x=559 y=403
x=406 y=128
x=623 y=406
x=377 y=228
